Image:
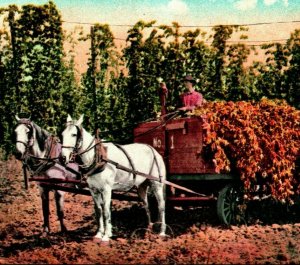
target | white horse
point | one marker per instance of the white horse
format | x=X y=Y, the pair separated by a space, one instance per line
x=76 y=141
x=36 y=147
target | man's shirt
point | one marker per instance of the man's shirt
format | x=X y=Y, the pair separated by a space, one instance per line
x=191 y=99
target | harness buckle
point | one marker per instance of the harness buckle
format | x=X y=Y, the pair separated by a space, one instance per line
x=73 y=157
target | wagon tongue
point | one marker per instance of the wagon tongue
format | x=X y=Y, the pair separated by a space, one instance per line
x=152 y=177
x=182 y=188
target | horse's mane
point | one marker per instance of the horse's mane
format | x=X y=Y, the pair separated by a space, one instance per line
x=41 y=136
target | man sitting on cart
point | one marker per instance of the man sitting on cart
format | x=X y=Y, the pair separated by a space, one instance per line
x=189 y=99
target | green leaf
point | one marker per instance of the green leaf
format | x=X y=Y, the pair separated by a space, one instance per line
x=27 y=78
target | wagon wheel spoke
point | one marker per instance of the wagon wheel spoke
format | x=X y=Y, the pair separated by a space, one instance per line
x=229 y=205
x=228 y=215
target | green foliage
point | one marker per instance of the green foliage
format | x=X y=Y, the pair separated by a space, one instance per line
x=8 y=84
x=292 y=81
x=40 y=65
x=140 y=57
x=271 y=75
x=234 y=72
x=36 y=80
x=119 y=90
x=96 y=103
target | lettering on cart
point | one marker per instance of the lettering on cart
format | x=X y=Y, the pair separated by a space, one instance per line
x=156 y=142
x=172 y=142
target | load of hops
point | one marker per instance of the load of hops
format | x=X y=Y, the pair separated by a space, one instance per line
x=259 y=141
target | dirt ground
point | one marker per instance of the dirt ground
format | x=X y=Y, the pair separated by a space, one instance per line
x=196 y=236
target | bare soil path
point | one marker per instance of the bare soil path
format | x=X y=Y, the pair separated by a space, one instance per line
x=195 y=235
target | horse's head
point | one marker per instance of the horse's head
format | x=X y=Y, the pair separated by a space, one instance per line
x=71 y=138
x=24 y=136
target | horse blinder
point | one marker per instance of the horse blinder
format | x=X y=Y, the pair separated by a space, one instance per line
x=30 y=140
x=74 y=152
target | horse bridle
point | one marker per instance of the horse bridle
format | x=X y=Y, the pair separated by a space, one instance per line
x=78 y=143
x=30 y=140
x=100 y=152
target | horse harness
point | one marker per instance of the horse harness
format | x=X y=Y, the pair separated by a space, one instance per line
x=42 y=164
x=147 y=176
x=101 y=160
x=98 y=163
x=133 y=171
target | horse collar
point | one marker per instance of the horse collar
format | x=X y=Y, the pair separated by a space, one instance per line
x=100 y=159
x=51 y=144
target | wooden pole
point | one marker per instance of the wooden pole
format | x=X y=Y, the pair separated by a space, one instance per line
x=15 y=76
x=163 y=98
x=93 y=75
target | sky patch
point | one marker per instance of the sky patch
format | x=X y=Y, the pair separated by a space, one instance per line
x=178 y=7
x=244 y=5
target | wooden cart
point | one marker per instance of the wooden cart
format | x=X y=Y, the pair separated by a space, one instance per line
x=180 y=142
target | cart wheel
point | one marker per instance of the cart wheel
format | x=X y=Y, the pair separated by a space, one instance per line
x=231 y=207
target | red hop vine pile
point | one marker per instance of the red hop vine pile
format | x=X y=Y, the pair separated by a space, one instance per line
x=259 y=141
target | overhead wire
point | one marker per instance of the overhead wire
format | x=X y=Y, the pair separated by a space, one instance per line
x=205 y=26
x=193 y=26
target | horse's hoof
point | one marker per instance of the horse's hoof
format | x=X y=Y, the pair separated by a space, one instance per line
x=97 y=240
x=105 y=243
x=150 y=226
x=105 y=239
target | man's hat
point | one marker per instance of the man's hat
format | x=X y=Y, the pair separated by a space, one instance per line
x=189 y=78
